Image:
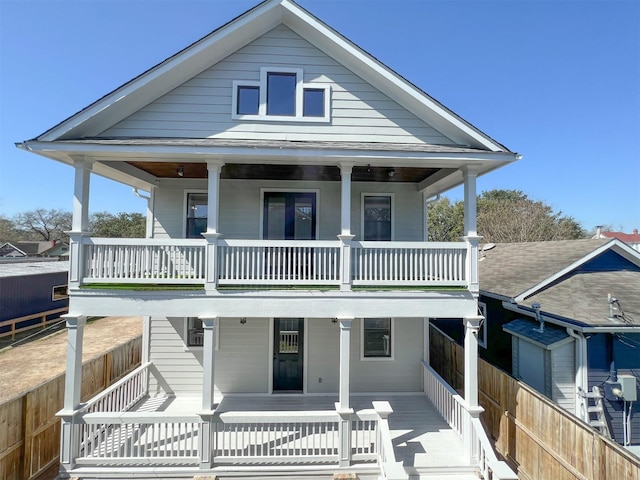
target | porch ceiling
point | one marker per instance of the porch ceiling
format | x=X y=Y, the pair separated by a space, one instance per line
x=328 y=173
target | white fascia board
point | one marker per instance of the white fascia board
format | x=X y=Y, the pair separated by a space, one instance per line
x=386 y=80
x=167 y=75
x=609 y=245
x=383 y=157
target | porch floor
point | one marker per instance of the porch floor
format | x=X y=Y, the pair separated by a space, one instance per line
x=421 y=437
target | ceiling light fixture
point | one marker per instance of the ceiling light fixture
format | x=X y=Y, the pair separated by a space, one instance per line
x=180 y=171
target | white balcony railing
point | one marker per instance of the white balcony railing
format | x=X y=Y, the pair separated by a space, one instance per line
x=128 y=260
x=453 y=409
x=274 y=262
x=409 y=263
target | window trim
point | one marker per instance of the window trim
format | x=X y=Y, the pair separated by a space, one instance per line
x=63 y=297
x=482 y=331
x=299 y=98
x=363 y=195
x=393 y=342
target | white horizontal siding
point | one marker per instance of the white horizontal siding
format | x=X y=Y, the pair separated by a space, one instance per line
x=201 y=107
x=242 y=362
x=403 y=373
x=323 y=353
x=564 y=388
x=240 y=208
x=181 y=369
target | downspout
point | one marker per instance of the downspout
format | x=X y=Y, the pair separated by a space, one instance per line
x=582 y=377
x=427 y=202
x=149 y=215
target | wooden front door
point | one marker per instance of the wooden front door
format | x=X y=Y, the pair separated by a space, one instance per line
x=288 y=349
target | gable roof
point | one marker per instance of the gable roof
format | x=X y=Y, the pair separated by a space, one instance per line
x=557 y=275
x=212 y=48
x=10 y=250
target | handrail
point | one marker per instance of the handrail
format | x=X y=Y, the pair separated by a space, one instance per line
x=89 y=404
x=454 y=410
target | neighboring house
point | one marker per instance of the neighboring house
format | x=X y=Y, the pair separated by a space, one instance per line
x=286 y=280
x=32 y=293
x=633 y=239
x=9 y=250
x=59 y=249
x=570 y=311
x=34 y=248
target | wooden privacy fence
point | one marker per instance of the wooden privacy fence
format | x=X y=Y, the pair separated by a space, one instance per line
x=29 y=428
x=542 y=440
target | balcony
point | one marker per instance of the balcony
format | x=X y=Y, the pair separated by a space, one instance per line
x=274 y=263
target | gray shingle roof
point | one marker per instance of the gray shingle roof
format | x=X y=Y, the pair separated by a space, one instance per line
x=233 y=143
x=531 y=330
x=512 y=269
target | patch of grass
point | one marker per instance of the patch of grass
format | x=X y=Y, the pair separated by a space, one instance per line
x=140 y=287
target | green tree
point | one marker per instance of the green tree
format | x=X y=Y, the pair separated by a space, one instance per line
x=511 y=216
x=122 y=225
x=8 y=231
x=503 y=216
x=445 y=220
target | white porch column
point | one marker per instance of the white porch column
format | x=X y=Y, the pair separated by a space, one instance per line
x=206 y=436
x=69 y=442
x=346 y=168
x=211 y=235
x=470 y=174
x=80 y=222
x=342 y=406
x=472 y=325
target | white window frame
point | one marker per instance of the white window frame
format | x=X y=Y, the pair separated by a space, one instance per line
x=393 y=343
x=187 y=322
x=53 y=294
x=393 y=213
x=482 y=331
x=299 y=93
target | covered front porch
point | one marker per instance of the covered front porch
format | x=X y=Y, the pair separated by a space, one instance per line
x=128 y=430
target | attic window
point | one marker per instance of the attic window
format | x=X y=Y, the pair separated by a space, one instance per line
x=281 y=95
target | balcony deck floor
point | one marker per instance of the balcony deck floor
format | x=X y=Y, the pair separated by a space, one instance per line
x=421 y=437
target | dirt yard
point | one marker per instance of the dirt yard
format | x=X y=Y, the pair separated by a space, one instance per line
x=32 y=364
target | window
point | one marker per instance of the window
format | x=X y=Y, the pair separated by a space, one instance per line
x=313 y=102
x=482 y=332
x=248 y=100
x=281 y=95
x=376 y=217
x=197 y=205
x=195 y=333
x=59 y=293
x=377 y=338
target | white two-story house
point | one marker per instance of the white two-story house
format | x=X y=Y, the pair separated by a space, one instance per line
x=286 y=283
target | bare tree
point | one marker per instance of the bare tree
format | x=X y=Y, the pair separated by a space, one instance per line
x=44 y=225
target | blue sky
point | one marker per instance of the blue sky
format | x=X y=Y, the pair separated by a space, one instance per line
x=555 y=80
